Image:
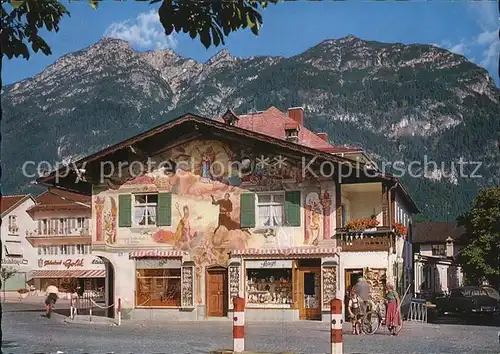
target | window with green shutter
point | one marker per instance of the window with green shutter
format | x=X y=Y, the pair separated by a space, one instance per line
x=292 y=208
x=125 y=210
x=247 y=210
x=164 y=209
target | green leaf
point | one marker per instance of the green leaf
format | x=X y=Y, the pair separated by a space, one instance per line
x=94 y=3
x=16 y=3
x=205 y=38
x=216 y=37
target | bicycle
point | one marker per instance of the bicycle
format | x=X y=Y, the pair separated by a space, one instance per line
x=375 y=317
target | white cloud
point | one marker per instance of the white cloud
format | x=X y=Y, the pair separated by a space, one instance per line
x=145 y=32
x=460 y=48
x=486 y=45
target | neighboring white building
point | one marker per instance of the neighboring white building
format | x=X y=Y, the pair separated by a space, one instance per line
x=436 y=245
x=17 y=254
x=60 y=234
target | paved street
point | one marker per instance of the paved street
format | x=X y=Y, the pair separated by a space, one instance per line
x=25 y=330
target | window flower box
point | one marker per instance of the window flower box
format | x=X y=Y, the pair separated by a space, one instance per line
x=399 y=229
x=363 y=224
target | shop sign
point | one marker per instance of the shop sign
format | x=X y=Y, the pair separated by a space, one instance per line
x=269 y=264
x=158 y=263
x=15 y=261
x=68 y=263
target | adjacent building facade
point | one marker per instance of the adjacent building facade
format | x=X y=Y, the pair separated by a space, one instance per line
x=60 y=237
x=254 y=205
x=436 y=246
x=17 y=255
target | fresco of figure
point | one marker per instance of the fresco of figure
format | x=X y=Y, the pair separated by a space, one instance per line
x=313 y=211
x=207 y=158
x=225 y=210
x=183 y=234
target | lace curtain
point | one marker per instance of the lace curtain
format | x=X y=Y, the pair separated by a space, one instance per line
x=271 y=215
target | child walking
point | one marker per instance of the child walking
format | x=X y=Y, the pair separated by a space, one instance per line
x=355 y=312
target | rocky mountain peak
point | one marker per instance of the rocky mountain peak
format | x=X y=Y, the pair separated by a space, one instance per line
x=400 y=102
x=223 y=56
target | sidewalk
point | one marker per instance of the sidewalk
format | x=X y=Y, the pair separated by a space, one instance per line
x=245 y=352
x=96 y=320
x=15 y=298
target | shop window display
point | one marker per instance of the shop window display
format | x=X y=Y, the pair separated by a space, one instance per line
x=272 y=287
x=158 y=287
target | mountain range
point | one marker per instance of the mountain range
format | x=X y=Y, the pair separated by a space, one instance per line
x=399 y=102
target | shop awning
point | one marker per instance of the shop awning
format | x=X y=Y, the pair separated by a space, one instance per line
x=156 y=254
x=13 y=248
x=89 y=273
x=286 y=252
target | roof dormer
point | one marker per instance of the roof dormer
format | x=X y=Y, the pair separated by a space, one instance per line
x=230 y=117
x=292 y=132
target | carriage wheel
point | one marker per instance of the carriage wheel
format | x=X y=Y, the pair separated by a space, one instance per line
x=370 y=322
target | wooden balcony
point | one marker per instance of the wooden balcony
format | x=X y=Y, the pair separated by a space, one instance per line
x=366 y=243
x=59 y=237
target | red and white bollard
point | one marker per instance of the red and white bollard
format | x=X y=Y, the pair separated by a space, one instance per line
x=239 y=325
x=337 y=321
x=119 y=310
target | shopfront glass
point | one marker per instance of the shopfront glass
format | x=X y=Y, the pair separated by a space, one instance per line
x=158 y=283
x=269 y=284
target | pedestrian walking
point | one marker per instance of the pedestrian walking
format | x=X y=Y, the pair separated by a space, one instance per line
x=393 y=314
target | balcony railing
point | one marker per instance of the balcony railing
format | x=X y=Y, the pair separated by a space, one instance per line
x=79 y=231
x=363 y=242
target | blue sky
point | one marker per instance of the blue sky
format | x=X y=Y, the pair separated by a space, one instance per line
x=465 y=27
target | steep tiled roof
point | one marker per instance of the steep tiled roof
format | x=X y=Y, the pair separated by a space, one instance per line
x=58 y=199
x=59 y=196
x=437 y=231
x=272 y=122
x=10 y=201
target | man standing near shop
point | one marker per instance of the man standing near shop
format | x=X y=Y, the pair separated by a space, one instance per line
x=363 y=290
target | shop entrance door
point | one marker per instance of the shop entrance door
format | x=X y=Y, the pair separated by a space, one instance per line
x=309 y=294
x=216 y=294
x=351 y=278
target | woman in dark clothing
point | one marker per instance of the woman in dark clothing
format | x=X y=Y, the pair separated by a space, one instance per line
x=50 y=301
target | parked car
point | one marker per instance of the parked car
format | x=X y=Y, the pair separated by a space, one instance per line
x=467 y=300
x=492 y=292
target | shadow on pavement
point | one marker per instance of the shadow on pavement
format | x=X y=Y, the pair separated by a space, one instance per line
x=25 y=310
x=470 y=320
x=9 y=344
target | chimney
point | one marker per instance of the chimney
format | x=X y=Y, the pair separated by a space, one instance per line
x=297 y=114
x=323 y=136
x=450 y=252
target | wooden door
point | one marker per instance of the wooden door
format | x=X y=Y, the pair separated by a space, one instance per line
x=216 y=286
x=309 y=293
x=351 y=278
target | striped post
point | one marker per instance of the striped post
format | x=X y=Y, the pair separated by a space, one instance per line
x=336 y=333
x=119 y=309
x=239 y=325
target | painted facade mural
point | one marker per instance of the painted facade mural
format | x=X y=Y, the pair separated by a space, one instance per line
x=206 y=185
x=313 y=219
